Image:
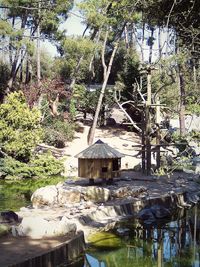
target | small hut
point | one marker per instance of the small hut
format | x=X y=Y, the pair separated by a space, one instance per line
x=99 y=161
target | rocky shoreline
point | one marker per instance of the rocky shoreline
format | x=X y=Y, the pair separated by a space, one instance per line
x=65 y=209
x=72 y=206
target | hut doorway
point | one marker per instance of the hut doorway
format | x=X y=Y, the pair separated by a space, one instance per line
x=115 y=165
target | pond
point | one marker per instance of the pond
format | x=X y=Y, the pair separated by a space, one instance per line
x=167 y=244
x=17 y=194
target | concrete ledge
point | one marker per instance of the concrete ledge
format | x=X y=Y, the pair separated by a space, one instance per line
x=25 y=252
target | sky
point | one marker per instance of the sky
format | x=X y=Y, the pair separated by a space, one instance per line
x=72 y=26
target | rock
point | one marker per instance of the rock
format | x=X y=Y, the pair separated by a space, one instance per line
x=110 y=122
x=188 y=171
x=47 y=195
x=4 y=229
x=123 y=231
x=160 y=212
x=152 y=214
x=128 y=191
x=194 y=199
x=146 y=215
x=196 y=163
x=37 y=227
x=8 y=216
x=195 y=146
x=197 y=169
x=125 y=145
x=66 y=195
x=137 y=168
x=96 y=194
x=65 y=226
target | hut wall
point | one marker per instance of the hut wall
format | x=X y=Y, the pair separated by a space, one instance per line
x=97 y=168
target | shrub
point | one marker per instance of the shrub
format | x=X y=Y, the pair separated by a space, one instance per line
x=14 y=169
x=57 y=132
x=41 y=166
x=20 y=129
x=54 y=138
x=46 y=165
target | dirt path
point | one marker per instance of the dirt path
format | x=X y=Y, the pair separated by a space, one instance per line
x=117 y=138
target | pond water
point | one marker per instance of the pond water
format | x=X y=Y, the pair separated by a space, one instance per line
x=17 y=194
x=173 y=243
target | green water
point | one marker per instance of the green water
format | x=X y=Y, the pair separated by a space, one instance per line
x=174 y=243
x=17 y=194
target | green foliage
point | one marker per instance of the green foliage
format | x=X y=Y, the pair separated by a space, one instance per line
x=89 y=100
x=94 y=12
x=192 y=107
x=14 y=169
x=46 y=165
x=72 y=108
x=20 y=129
x=54 y=138
x=46 y=62
x=72 y=50
x=58 y=131
x=40 y=166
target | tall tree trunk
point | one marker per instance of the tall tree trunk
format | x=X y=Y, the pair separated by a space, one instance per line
x=126 y=38
x=132 y=37
x=38 y=49
x=151 y=46
x=92 y=130
x=159 y=43
x=181 y=85
x=143 y=38
x=28 y=70
x=21 y=67
x=103 y=56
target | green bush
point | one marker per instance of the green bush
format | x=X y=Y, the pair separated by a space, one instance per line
x=14 y=169
x=46 y=165
x=20 y=129
x=54 y=138
x=57 y=132
x=40 y=166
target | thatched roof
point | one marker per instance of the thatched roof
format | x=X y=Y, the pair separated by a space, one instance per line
x=99 y=150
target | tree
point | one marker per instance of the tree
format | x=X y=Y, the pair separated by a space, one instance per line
x=22 y=21
x=114 y=17
x=20 y=129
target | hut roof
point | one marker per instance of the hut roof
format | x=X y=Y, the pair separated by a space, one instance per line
x=99 y=150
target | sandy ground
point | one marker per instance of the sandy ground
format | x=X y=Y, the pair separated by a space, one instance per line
x=116 y=137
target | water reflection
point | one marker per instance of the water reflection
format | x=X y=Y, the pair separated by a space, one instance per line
x=174 y=243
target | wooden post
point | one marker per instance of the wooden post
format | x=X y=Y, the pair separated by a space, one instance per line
x=158 y=138
x=148 y=143
x=143 y=142
x=148 y=122
x=158 y=117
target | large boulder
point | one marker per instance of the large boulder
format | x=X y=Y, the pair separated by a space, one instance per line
x=153 y=214
x=97 y=194
x=146 y=216
x=160 y=212
x=68 y=195
x=38 y=227
x=47 y=195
